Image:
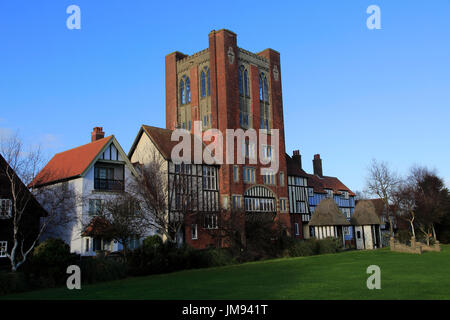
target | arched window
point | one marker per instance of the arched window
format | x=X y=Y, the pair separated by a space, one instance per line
x=260 y=89
x=264 y=102
x=266 y=90
x=182 y=96
x=188 y=90
x=202 y=85
x=241 y=90
x=246 y=83
x=209 y=82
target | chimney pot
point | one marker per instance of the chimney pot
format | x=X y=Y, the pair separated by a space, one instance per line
x=97 y=134
x=317 y=165
x=297 y=157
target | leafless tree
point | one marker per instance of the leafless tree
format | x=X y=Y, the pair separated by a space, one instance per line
x=119 y=218
x=383 y=182
x=405 y=201
x=21 y=167
x=170 y=198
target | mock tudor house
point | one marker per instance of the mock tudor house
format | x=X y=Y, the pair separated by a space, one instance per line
x=316 y=188
x=95 y=172
x=200 y=181
x=30 y=219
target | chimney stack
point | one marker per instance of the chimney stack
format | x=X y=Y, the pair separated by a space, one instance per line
x=317 y=165
x=297 y=157
x=97 y=134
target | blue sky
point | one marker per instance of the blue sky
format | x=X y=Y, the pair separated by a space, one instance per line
x=349 y=93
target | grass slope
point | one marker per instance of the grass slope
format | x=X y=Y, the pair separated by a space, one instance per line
x=331 y=276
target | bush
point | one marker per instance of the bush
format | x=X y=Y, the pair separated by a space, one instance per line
x=329 y=245
x=101 y=269
x=48 y=263
x=302 y=248
x=12 y=282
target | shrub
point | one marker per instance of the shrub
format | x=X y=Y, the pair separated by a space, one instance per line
x=329 y=245
x=12 y=282
x=302 y=248
x=101 y=269
x=48 y=263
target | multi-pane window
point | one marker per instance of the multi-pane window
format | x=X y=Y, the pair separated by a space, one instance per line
x=283 y=207
x=209 y=178
x=346 y=212
x=5 y=208
x=264 y=102
x=134 y=243
x=95 y=206
x=3 y=248
x=249 y=175
x=344 y=194
x=248 y=150
x=267 y=152
x=194 y=234
x=269 y=178
x=236 y=173
x=211 y=221
x=205 y=82
x=259 y=204
x=244 y=92
x=297 y=229
x=329 y=193
x=185 y=90
x=300 y=207
x=282 y=179
x=236 y=201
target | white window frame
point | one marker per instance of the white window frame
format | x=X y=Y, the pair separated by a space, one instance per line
x=194 y=232
x=3 y=249
x=7 y=203
x=297 y=229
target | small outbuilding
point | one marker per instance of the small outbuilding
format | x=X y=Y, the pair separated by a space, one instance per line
x=328 y=221
x=367 y=225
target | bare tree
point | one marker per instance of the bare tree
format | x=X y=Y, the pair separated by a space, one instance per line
x=171 y=198
x=21 y=167
x=405 y=201
x=383 y=182
x=119 y=218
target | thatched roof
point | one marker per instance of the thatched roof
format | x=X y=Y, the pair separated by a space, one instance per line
x=327 y=213
x=365 y=214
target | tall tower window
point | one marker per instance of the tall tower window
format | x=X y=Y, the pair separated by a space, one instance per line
x=244 y=92
x=205 y=82
x=188 y=91
x=185 y=90
x=182 y=96
x=264 y=102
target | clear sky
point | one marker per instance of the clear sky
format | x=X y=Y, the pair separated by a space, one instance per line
x=349 y=93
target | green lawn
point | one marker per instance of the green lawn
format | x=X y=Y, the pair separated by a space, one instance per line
x=331 y=276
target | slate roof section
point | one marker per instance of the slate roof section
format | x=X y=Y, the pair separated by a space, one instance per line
x=327 y=213
x=319 y=184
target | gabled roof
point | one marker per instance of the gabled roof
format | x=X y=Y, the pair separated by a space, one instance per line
x=327 y=213
x=319 y=184
x=293 y=168
x=161 y=138
x=365 y=214
x=71 y=163
x=33 y=205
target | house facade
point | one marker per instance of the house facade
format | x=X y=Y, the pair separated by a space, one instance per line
x=29 y=225
x=192 y=189
x=95 y=172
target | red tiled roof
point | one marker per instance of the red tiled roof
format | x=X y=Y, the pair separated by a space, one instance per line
x=71 y=163
x=319 y=184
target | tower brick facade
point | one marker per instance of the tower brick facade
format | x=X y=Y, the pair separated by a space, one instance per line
x=216 y=97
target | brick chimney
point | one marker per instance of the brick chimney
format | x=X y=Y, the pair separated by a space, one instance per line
x=97 y=134
x=317 y=165
x=297 y=157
